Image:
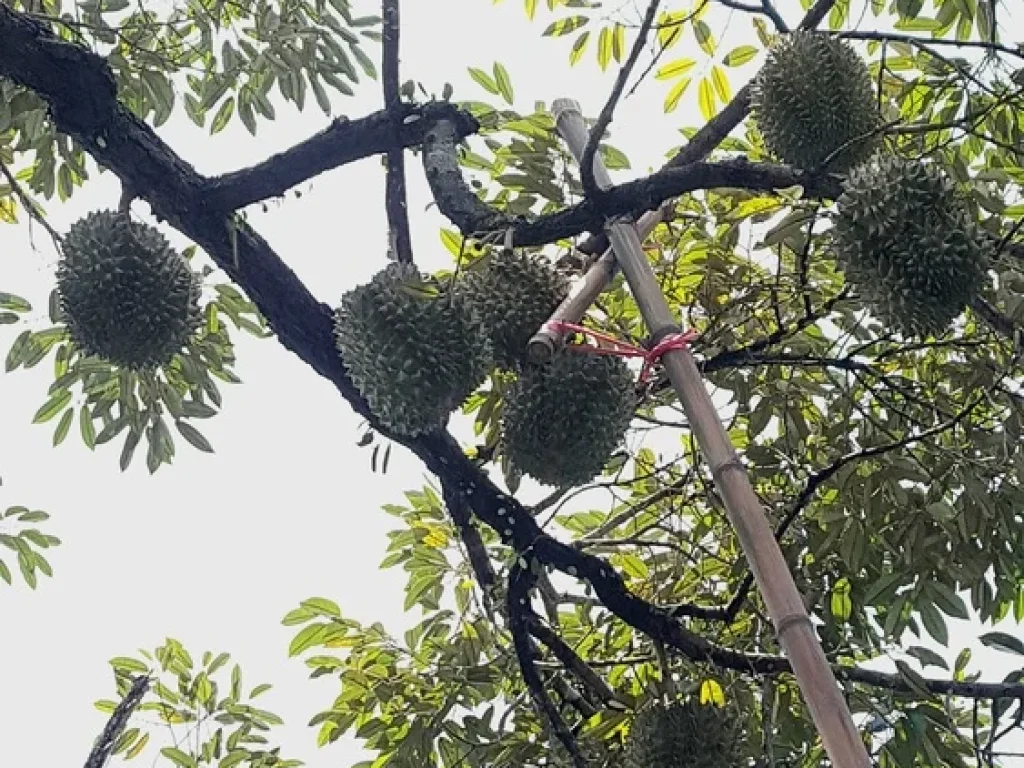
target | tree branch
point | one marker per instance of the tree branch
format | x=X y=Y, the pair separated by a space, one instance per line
x=520 y=583
x=895 y=37
x=569 y=658
x=460 y=204
x=765 y=8
x=395 y=202
x=115 y=726
x=344 y=141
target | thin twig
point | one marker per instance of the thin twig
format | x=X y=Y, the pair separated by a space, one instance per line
x=30 y=206
x=765 y=8
x=894 y=37
x=590 y=187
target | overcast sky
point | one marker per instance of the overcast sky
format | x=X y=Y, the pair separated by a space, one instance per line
x=214 y=550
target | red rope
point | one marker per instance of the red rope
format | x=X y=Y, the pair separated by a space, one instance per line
x=619 y=348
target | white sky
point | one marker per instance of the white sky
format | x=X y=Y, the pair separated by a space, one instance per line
x=214 y=550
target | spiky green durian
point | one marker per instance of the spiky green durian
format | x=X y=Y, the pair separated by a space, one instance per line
x=126 y=295
x=564 y=419
x=413 y=349
x=684 y=734
x=905 y=241
x=813 y=96
x=513 y=294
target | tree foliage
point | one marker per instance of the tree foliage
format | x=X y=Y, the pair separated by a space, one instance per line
x=890 y=466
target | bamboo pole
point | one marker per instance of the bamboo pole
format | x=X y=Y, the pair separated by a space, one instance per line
x=543 y=343
x=792 y=624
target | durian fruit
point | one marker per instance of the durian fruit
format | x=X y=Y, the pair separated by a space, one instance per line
x=813 y=95
x=564 y=419
x=513 y=294
x=127 y=296
x=412 y=349
x=905 y=241
x=684 y=734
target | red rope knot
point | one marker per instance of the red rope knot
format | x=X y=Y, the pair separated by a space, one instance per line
x=619 y=348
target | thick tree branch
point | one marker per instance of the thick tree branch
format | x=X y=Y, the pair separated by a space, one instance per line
x=521 y=582
x=344 y=141
x=459 y=203
x=104 y=746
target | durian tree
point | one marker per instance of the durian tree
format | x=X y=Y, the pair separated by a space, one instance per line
x=840 y=225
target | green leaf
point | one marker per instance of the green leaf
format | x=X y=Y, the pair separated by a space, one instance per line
x=565 y=26
x=233 y=758
x=927 y=657
x=933 y=622
x=914 y=681
x=504 y=83
x=63 y=426
x=26 y=564
x=705 y=38
x=323 y=606
x=131 y=442
x=674 y=69
x=178 y=757
x=739 y=56
x=947 y=600
x=721 y=83
x=484 y=80
x=137 y=748
x=706 y=99
x=52 y=407
x=1001 y=641
x=604 y=48
x=128 y=664
x=86 y=428
x=676 y=93
x=14 y=303
x=579 y=47
x=194 y=436
x=305 y=639
x=223 y=116
x=18 y=351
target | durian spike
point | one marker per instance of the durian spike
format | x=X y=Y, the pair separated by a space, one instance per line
x=828 y=708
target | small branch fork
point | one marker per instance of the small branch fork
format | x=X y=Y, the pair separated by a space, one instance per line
x=80 y=91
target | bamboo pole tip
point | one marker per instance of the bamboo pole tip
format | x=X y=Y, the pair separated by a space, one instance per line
x=560 y=107
x=541 y=348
